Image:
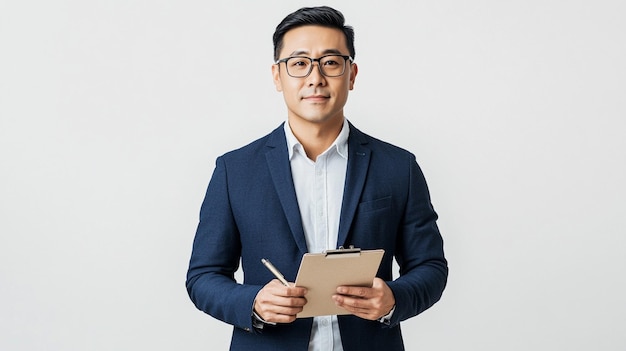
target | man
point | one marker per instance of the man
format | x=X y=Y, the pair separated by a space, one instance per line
x=315 y=183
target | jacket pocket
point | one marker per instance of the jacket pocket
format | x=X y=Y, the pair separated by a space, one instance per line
x=373 y=205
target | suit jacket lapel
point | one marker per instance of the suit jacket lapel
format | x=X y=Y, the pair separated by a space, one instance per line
x=278 y=162
x=358 y=164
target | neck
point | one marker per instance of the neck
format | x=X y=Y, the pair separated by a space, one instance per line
x=315 y=138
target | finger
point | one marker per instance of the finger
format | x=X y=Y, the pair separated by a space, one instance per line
x=378 y=283
x=281 y=301
x=351 y=304
x=354 y=291
x=364 y=308
x=291 y=302
x=296 y=291
x=279 y=318
x=280 y=309
x=277 y=288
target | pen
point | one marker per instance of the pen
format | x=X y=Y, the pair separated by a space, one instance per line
x=274 y=271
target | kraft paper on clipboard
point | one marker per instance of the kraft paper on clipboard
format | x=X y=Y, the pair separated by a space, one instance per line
x=322 y=273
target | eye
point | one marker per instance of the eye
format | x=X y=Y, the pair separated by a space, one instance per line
x=331 y=62
x=299 y=62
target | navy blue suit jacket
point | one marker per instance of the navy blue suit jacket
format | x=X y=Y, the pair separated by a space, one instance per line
x=250 y=211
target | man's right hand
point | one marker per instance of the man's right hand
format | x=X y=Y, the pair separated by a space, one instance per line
x=277 y=303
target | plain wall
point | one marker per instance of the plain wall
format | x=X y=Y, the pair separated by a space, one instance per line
x=112 y=114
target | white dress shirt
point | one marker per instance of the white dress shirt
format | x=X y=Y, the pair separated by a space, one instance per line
x=319 y=188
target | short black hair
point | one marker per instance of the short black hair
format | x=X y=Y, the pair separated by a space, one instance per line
x=321 y=16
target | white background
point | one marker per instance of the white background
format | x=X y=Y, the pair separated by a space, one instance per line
x=112 y=114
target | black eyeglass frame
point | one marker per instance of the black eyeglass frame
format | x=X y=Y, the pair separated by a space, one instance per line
x=346 y=58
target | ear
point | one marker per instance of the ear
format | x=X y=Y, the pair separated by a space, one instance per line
x=354 y=69
x=276 y=77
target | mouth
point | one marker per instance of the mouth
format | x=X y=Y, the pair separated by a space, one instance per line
x=316 y=98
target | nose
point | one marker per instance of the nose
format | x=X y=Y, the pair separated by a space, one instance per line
x=316 y=77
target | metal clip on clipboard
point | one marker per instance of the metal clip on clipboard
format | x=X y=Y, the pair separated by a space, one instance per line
x=350 y=251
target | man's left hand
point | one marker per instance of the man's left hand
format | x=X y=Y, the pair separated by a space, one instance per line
x=367 y=303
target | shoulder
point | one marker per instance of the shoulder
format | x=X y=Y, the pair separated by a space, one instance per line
x=379 y=148
x=274 y=139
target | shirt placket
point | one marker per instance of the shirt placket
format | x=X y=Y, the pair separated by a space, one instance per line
x=321 y=237
x=321 y=205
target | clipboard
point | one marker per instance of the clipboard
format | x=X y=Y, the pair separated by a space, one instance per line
x=322 y=273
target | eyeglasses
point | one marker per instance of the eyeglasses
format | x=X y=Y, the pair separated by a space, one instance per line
x=330 y=65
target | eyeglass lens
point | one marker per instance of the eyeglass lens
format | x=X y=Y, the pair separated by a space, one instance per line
x=331 y=66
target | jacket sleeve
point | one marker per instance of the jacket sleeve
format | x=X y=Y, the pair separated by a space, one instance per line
x=419 y=253
x=215 y=259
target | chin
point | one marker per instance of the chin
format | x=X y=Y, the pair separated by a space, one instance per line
x=320 y=118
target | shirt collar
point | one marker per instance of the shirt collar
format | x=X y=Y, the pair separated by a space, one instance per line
x=340 y=144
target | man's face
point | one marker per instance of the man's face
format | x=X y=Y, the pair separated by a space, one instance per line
x=316 y=98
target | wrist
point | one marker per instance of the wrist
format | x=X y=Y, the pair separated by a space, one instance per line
x=258 y=321
x=386 y=319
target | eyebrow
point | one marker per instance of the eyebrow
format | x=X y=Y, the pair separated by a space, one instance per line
x=325 y=52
